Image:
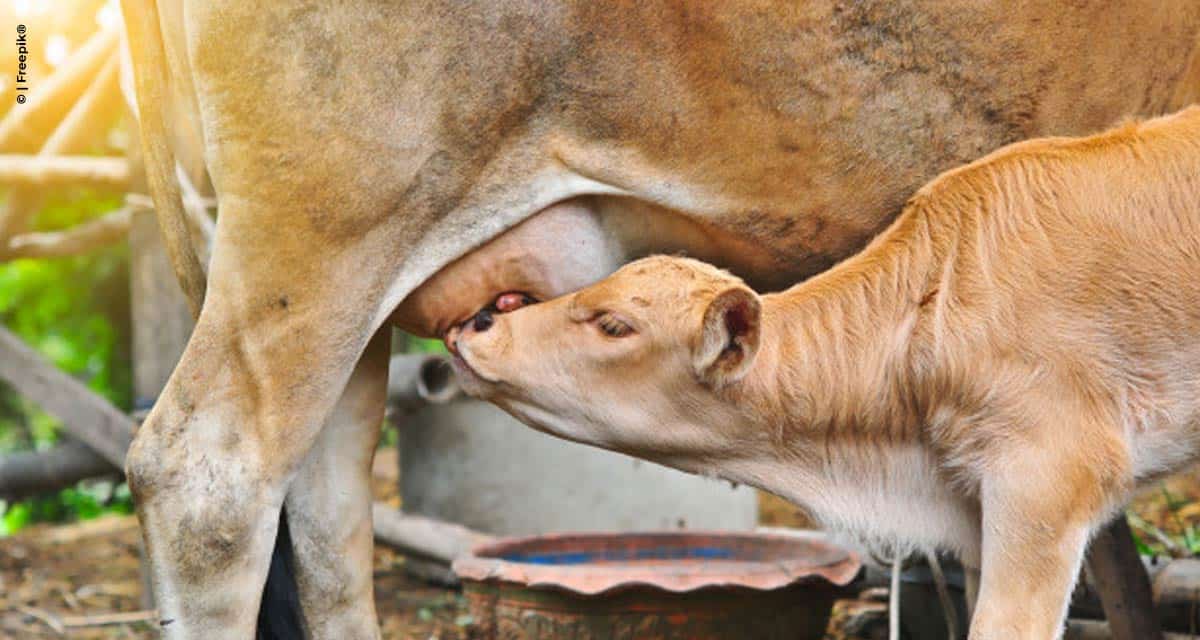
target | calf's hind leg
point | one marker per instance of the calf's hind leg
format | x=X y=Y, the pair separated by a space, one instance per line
x=329 y=507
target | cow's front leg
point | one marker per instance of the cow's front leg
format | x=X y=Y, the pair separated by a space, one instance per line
x=329 y=508
x=1029 y=569
x=1038 y=511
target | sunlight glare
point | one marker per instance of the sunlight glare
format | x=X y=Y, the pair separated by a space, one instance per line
x=27 y=8
x=108 y=15
x=57 y=48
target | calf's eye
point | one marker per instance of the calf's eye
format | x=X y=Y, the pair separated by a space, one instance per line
x=612 y=326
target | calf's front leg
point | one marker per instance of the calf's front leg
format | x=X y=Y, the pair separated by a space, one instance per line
x=1038 y=512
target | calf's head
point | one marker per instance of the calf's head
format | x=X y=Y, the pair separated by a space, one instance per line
x=640 y=362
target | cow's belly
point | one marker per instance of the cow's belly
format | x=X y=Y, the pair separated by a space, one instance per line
x=572 y=244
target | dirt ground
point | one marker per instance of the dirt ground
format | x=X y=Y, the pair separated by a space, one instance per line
x=82 y=580
x=78 y=580
x=75 y=577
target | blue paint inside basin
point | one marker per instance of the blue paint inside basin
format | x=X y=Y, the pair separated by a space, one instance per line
x=656 y=551
x=622 y=555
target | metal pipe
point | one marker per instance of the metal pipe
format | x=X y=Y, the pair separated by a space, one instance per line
x=418 y=379
x=430 y=538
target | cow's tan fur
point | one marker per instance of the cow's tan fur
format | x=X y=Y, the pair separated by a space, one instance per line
x=992 y=375
x=358 y=148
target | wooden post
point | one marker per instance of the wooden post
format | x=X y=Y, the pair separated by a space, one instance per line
x=1120 y=578
x=160 y=319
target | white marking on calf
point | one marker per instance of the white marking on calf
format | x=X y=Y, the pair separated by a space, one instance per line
x=892 y=499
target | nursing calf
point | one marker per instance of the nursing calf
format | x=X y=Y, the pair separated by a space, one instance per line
x=993 y=375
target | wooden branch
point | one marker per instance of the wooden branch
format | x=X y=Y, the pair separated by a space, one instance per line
x=55 y=171
x=102 y=619
x=108 y=229
x=45 y=617
x=427 y=537
x=26 y=126
x=1177 y=594
x=1097 y=630
x=91 y=114
x=1176 y=588
x=60 y=624
x=31 y=472
x=85 y=415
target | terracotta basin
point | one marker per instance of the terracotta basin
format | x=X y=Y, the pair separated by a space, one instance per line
x=684 y=585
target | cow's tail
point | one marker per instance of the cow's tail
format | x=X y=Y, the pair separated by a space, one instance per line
x=150 y=76
x=279 y=615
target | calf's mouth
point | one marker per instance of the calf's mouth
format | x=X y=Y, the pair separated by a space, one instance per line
x=480 y=323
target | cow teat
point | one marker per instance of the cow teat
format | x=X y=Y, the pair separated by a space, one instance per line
x=505 y=302
x=513 y=300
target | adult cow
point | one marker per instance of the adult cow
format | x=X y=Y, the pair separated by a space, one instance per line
x=358 y=148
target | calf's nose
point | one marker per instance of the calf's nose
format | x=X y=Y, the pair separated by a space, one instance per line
x=483 y=321
x=451 y=340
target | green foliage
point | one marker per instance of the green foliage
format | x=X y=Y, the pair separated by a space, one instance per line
x=1143 y=548
x=87 y=500
x=414 y=344
x=15 y=517
x=390 y=437
x=1181 y=541
x=74 y=311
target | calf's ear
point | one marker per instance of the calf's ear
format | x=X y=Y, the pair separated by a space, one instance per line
x=729 y=337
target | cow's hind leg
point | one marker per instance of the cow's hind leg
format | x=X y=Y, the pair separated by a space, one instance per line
x=213 y=463
x=329 y=508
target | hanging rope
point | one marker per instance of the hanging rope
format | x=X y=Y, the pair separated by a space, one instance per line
x=949 y=612
x=894 y=599
x=943 y=591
